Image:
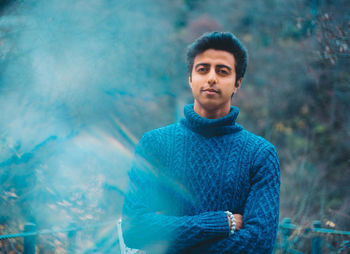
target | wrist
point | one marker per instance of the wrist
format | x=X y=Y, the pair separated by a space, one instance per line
x=232 y=222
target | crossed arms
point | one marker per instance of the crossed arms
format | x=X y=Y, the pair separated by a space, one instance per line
x=144 y=227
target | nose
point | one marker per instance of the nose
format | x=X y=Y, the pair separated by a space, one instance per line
x=212 y=78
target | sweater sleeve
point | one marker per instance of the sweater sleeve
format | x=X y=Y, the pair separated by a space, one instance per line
x=144 y=224
x=261 y=211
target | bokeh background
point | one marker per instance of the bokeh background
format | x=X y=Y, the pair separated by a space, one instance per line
x=82 y=80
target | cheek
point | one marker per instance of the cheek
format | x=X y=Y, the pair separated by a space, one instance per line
x=196 y=83
x=230 y=87
x=196 y=79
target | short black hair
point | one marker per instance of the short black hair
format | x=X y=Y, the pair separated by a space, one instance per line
x=225 y=41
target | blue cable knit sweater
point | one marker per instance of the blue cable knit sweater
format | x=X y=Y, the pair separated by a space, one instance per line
x=187 y=174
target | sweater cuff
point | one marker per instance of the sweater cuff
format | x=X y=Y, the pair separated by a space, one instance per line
x=215 y=223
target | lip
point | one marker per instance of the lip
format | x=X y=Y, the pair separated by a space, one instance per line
x=210 y=91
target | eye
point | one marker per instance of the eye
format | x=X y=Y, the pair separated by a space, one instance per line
x=202 y=70
x=223 y=72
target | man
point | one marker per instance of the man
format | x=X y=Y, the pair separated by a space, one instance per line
x=191 y=182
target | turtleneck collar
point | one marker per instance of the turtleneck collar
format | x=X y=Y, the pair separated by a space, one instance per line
x=211 y=127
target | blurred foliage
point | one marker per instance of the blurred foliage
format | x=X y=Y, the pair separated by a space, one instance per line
x=81 y=81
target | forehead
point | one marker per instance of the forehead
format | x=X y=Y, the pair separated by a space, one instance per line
x=215 y=57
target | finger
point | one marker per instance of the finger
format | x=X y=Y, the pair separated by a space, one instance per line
x=239 y=221
x=238 y=216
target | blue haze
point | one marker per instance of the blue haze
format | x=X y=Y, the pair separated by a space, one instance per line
x=74 y=78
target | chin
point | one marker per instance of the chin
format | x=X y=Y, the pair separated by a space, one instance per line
x=210 y=105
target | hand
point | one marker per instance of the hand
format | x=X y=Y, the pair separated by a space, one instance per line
x=239 y=221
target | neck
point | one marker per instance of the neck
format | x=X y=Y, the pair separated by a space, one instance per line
x=211 y=113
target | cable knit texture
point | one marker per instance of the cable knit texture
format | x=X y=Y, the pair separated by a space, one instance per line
x=186 y=175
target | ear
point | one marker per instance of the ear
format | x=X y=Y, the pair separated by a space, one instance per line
x=190 y=81
x=238 y=83
x=236 y=86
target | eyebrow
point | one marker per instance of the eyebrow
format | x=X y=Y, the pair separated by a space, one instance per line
x=219 y=65
x=202 y=64
x=224 y=66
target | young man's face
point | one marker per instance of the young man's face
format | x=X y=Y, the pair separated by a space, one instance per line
x=213 y=80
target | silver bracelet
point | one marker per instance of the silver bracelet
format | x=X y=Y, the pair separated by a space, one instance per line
x=233 y=222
